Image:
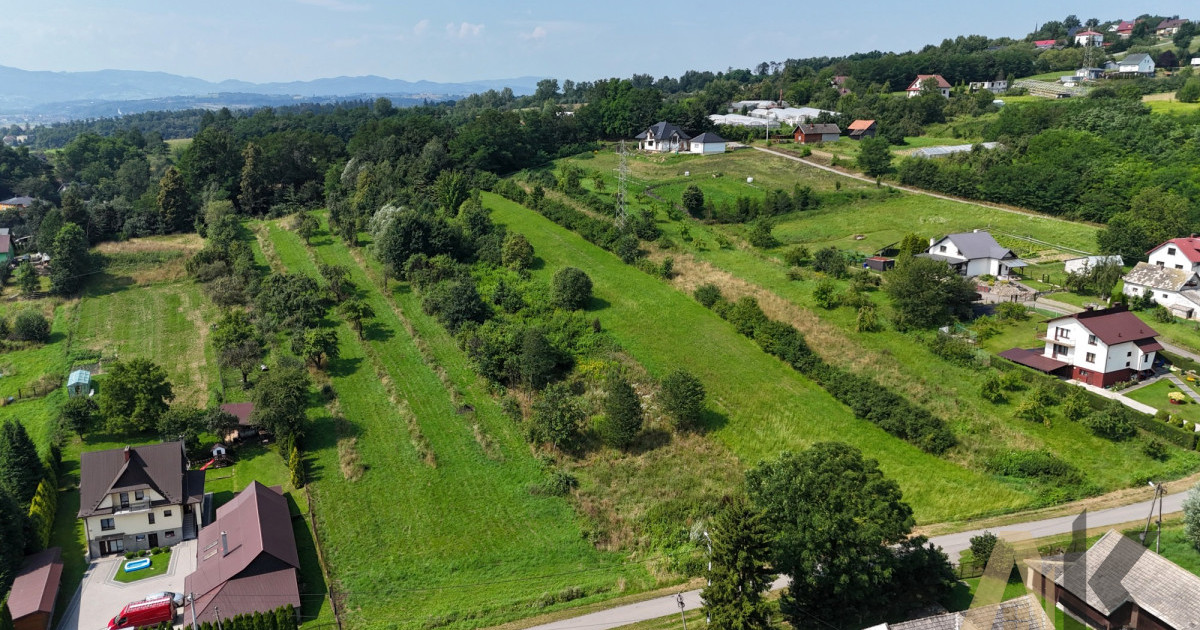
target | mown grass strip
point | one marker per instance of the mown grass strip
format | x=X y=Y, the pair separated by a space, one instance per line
x=464 y=544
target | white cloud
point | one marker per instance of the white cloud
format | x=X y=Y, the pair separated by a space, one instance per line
x=334 y=5
x=464 y=30
x=538 y=32
x=421 y=27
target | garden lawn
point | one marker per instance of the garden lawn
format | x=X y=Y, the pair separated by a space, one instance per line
x=21 y=370
x=165 y=323
x=765 y=406
x=461 y=543
x=1155 y=395
x=158 y=566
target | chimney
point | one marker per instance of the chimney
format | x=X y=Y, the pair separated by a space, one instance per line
x=126 y=453
x=224 y=544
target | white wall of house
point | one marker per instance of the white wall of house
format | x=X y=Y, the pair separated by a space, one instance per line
x=1169 y=299
x=1068 y=340
x=138 y=522
x=708 y=148
x=1170 y=256
x=1145 y=66
x=1128 y=355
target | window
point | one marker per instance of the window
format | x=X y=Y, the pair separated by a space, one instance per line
x=941 y=248
x=1091 y=358
x=1129 y=354
x=140 y=538
x=167 y=513
x=171 y=534
x=124 y=499
x=1170 y=251
x=1126 y=364
x=107 y=524
x=1160 y=264
x=1164 y=296
x=1091 y=340
x=151 y=517
x=1179 y=266
x=1060 y=349
x=138 y=495
x=1062 y=333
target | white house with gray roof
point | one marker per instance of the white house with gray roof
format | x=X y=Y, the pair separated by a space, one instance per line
x=1139 y=63
x=974 y=254
x=708 y=143
x=664 y=137
x=1176 y=289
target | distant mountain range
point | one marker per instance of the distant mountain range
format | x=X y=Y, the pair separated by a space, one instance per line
x=76 y=94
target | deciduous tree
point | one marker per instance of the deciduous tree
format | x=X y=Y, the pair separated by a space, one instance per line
x=557 y=418
x=135 y=394
x=78 y=415
x=570 y=288
x=926 y=293
x=356 y=311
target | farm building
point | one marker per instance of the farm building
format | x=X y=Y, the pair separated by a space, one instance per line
x=79 y=383
x=708 y=143
x=948 y=149
x=879 y=263
x=1119 y=583
x=999 y=86
x=811 y=134
x=1084 y=264
x=860 y=129
x=31 y=600
x=1176 y=289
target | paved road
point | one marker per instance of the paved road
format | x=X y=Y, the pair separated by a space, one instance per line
x=951 y=543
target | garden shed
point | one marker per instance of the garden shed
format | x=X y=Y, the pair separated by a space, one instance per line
x=79 y=384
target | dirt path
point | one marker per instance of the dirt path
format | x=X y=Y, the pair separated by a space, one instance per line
x=915 y=191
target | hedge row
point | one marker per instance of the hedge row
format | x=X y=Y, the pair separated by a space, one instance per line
x=596 y=231
x=42 y=509
x=282 y=618
x=868 y=399
x=1174 y=435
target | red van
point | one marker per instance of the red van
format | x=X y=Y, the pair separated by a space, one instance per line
x=148 y=613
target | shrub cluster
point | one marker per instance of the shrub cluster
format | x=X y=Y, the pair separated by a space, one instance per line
x=868 y=399
x=1035 y=465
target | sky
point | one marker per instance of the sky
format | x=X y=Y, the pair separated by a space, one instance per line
x=450 y=40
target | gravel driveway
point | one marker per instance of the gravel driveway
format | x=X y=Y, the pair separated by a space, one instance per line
x=100 y=597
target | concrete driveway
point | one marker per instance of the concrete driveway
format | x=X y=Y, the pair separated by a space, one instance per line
x=100 y=597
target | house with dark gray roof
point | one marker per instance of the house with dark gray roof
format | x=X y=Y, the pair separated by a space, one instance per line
x=1119 y=583
x=138 y=497
x=1022 y=613
x=810 y=133
x=974 y=254
x=708 y=143
x=1137 y=63
x=246 y=559
x=664 y=137
x=1177 y=289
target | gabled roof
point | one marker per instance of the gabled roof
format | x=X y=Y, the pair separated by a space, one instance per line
x=1162 y=278
x=821 y=128
x=1124 y=26
x=1170 y=24
x=1188 y=246
x=1088 y=33
x=661 y=130
x=35 y=587
x=1134 y=60
x=916 y=85
x=1112 y=325
x=246 y=559
x=708 y=137
x=977 y=245
x=1042 y=43
x=24 y=202
x=240 y=410
x=160 y=467
x=79 y=376
x=1117 y=570
x=1022 y=613
x=861 y=124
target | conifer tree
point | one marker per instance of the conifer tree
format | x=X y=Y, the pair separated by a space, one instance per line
x=741 y=548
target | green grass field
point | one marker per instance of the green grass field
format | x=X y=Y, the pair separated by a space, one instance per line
x=463 y=542
x=1155 y=395
x=765 y=406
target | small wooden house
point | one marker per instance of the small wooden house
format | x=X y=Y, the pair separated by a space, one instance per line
x=79 y=384
x=879 y=263
x=860 y=129
x=31 y=600
x=813 y=133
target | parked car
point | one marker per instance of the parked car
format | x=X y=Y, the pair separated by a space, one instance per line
x=175 y=597
x=150 y=612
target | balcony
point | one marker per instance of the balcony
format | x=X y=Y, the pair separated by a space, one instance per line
x=1049 y=338
x=132 y=506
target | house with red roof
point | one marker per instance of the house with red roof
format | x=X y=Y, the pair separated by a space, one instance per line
x=1177 y=253
x=1125 y=29
x=1089 y=38
x=1171 y=278
x=1043 y=44
x=914 y=88
x=1097 y=347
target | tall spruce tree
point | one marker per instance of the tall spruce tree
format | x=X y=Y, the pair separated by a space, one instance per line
x=20 y=468
x=12 y=540
x=741 y=548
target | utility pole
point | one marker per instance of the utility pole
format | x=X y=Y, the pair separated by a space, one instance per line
x=622 y=184
x=708 y=541
x=679 y=599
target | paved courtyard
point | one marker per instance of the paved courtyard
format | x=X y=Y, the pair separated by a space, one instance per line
x=100 y=597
